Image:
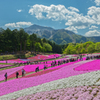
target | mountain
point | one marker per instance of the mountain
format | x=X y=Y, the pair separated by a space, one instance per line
x=59 y=36
x=39 y=30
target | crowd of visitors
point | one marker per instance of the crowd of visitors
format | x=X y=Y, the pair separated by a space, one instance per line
x=93 y=57
x=17 y=74
x=54 y=63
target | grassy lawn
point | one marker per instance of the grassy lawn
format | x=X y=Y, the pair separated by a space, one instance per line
x=15 y=56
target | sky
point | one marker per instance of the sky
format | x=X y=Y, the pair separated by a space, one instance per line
x=80 y=16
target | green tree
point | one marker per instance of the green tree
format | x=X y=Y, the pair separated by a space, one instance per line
x=97 y=46
x=22 y=38
x=83 y=50
x=33 y=40
x=47 y=47
x=68 y=50
x=38 y=46
x=73 y=51
x=91 y=48
x=15 y=40
x=86 y=44
x=78 y=48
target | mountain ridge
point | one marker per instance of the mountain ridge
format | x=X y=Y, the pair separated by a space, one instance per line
x=59 y=36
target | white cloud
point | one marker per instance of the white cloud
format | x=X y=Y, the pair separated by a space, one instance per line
x=54 y=12
x=18 y=24
x=10 y=24
x=92 y=33
x=73 y=18
x=19 y=10
x=60 y=12
x=80 y=22
x=73 y=9
x=94 y=12
x=93 y=27
x=71 y=28
x=97 y=2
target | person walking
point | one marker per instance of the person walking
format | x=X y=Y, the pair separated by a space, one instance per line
x=17 y=74
x=23 y=72
x=5 y=76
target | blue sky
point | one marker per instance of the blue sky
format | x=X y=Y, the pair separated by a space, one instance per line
x=79 y=16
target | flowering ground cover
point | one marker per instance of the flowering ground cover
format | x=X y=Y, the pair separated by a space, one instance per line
x=86 y=81
x=31 y=68
x=48 y=70
x=73 y=93
x=41 y=72
x=38 y=57
x=22 y=83
x=94 y=65
x=58 y=79
x=13 y=61
x=44 y=57
x=3 y=66
x=9 y=72
x=53 y=56
x=50 y=61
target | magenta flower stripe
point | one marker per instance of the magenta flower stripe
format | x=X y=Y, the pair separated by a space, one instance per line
x=22 y=83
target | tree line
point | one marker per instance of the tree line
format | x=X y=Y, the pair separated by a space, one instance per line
x=81 y=48
x=18 y=41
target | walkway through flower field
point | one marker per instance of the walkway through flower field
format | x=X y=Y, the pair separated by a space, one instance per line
x=18 y=84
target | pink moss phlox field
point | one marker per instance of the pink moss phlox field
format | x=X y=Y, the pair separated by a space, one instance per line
x=53 y=56
x=38 y=57
x=31 y=68
x=13 y=61
x=16 y=61
x=9 y=72
x=2 y=66
x=54 y=60
x=74 y=93
x=47 y=70
x=93 y=65
x=22 y=83
x=44 y=57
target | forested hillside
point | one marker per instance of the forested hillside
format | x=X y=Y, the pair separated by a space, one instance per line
x=80 y=48
x=19 y=40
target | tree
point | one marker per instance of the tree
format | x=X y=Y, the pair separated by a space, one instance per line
x=91 y=48
x=25 y=37
x=86 y=44
x=47 y=47
x=68 y=50
x=22 y=38
x=38 y=46
x=73 y=51
x=78 y=48
x=97 y=46
x=44 y=40
x=33 y=39
x=7 y=39
x=15 y=40
x=83 y=50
